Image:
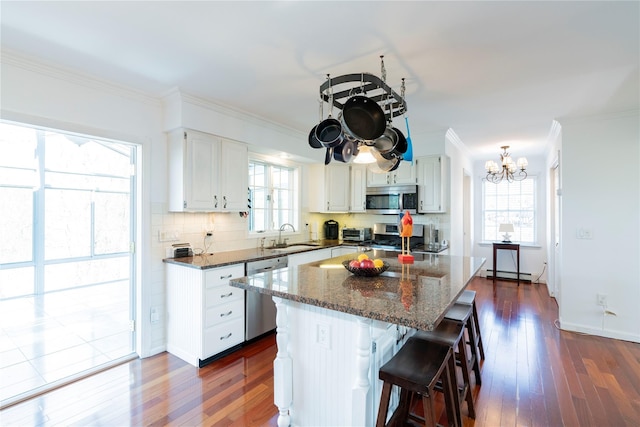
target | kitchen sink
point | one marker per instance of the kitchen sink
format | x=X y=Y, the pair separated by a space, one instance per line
x=295 y=247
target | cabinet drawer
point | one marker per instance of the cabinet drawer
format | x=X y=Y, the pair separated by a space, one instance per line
x=223 y=313
x=221 y=337
x=220 y=276
x=221 y=295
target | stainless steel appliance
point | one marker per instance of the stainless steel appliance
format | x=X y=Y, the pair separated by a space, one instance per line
x=386 y=236
x=356 y=234
x=392 y=200
x=260 y=310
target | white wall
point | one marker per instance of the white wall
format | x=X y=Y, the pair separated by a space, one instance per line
x=601 y=192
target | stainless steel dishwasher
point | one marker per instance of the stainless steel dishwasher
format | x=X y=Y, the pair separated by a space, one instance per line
x=260 y=310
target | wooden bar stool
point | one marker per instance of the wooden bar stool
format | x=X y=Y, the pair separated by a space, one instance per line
x=416 y=369
x=451 y=333
x=469 y=298
x=462 y=313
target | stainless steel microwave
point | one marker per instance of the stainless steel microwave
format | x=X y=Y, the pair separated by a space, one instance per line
x=392 y=200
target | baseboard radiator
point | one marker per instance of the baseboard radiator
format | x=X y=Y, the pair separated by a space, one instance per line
x=509 y=275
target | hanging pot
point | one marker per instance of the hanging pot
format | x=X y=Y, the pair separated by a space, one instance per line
x=387 y=142
x=346 y=151
x=329 y=132
x=328 y=155
x=313 y=141
x=363 y=118
x=399 y=149
x=382 y=164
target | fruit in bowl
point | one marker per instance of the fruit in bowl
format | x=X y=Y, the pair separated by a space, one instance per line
x=365 y=266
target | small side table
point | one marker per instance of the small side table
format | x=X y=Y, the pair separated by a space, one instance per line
x=506 y=246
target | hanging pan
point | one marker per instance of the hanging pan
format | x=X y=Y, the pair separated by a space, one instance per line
x=329 y=131
x=363 y=118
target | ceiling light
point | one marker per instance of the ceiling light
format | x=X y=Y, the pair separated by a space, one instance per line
x=496 y=173
x=364 y=156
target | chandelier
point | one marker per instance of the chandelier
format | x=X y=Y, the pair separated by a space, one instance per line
x=496 y=173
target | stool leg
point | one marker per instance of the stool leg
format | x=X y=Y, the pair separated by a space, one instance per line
x=478 y=334
x=463 y=358
x=384 y=404
x=429 y=411
x=450 y=389
x=474 y=349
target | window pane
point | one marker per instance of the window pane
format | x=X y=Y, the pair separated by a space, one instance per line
x=111 y=223
x=509 y=203
x=273 y=202
x=67 y=230
x=16 y=226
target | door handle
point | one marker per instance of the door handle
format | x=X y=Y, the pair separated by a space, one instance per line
x=226 y=336
x=226 y=295
x=226 y=314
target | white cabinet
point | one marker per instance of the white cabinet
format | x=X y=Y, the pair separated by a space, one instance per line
x=343 y=250
x=358 y=188
x=205 y=316
x=433 y=182
x=404 y=175
x=295 y=260
x=206 y=173
x=337 y=188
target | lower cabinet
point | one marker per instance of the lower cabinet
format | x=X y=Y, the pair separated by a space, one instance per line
x=205 y=316
x=295 y=260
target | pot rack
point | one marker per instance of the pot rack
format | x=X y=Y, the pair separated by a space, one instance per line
x=368 y=85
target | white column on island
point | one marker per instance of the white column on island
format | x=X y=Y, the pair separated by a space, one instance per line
x=282 y=367
x=361 y=387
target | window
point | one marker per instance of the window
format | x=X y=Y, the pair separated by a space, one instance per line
x=513 y=203
x=273 y=190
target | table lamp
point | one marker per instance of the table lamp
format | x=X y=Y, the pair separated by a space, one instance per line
x=506 y=229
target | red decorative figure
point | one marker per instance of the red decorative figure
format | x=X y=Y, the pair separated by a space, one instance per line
x=406 y=231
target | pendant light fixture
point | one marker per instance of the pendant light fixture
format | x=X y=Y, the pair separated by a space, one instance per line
x=506 y=169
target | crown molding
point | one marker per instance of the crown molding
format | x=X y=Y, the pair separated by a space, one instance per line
x=49 y=69
x=455 y=140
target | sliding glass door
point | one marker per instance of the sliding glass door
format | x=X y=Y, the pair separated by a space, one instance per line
x=66 y=253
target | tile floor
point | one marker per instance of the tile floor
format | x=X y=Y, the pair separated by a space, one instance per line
x=45 y=339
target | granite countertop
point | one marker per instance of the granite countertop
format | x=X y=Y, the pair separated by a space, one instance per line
x=415 y=295
x=220 y=259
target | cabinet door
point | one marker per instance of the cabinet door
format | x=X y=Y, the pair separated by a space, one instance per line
x=358 y=188
x=234 y=176
x=337 y=188
x=405 y=174
x=200 y=168
x=378 y=179
x=430 y=184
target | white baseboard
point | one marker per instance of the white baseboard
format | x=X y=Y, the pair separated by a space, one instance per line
x=589 y=330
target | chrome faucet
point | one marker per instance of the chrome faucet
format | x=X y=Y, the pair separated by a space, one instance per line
x=280 y=243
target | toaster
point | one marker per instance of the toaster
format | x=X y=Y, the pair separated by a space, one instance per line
x=356 y=234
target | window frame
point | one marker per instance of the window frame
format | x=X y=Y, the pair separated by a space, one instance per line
x=295 y=179
x=516 y=236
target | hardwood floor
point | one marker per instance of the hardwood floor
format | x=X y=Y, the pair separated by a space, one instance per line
x=534 y=374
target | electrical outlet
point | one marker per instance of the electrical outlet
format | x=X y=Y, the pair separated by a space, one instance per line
x=602 y=299
x=155 y=315
x=323 y=335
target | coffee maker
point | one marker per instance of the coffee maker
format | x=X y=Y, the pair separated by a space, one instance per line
x=331 y=230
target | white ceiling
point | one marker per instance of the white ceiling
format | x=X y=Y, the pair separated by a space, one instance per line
x=495 y=72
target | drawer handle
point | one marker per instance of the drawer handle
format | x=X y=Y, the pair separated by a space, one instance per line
x=226 y=295
x=226 y=336
x=226 y=314
x=228 y=276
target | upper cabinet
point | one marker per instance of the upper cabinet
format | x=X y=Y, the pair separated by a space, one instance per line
x=405 y=174
x=433 y=181
x=337 y=188
x=206 y=173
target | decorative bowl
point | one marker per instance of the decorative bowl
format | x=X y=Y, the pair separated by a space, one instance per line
x=366 y=272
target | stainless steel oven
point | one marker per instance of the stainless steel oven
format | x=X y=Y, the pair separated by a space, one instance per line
x=392 y=200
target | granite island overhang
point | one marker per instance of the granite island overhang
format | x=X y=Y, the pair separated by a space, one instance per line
x=415 y=295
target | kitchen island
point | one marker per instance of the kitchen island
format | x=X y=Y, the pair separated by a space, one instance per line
x=334 y=330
